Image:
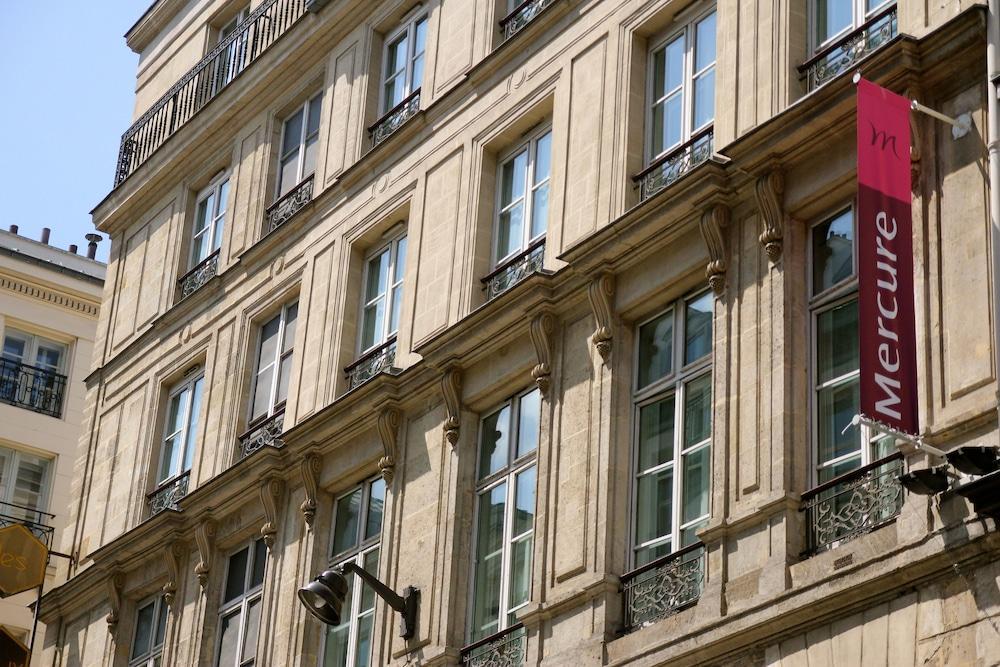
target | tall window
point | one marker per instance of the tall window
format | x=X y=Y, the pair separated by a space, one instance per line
x=299 y=135
x=234 y=57
x=673 y=428
x=274 y=363
x=24 y=483
x=30 y=372
x=209 y=219
x=356 y=530
x=150 y=630
x=523 y=196
x=181 y=429
x=832 y=19
x=383 y=295
x=681 y=86
x=836 y=368
x=505 y=513
x=239 y=616
x=403 y=62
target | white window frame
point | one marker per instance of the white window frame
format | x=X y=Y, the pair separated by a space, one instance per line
x=687 y=33
x=508 y=475
x=407 y=29
x=279 y=356
x=529 y=144
x=393 y=282
x=194 y=375
x=32 y=342
x=149 y=659
x=672 y=384
x=10 y=473
x=859 y=15
x=242 y=603
x=305 y=137
x=215 y=224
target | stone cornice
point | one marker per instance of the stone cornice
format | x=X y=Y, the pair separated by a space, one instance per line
x=153 y=20
x=88 y=307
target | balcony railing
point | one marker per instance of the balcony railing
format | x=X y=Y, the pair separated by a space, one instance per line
x=506 y=648
x=166 y=495
x=33 y=388
x=663 y=587
x=291 y=203
x=846 y=52
x=514 y=270
x=263 y=433
x=522 y=15
x=196 y=278
x=372 y=363
x=394 y=119
x=853 y=504
x=666 y=169
x=39 y=523
x=204 y=81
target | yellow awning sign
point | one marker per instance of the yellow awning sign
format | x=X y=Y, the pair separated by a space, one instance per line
x=23 y=558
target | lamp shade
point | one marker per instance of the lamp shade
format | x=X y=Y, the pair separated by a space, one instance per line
x=975 y=460
x=925 y=481
x=323 y=597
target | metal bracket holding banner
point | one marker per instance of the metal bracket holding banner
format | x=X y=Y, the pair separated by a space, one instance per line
x=960 y=126
x=884 y=429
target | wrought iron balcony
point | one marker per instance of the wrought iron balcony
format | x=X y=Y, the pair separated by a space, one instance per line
x=262 y=433
x=843 y=54
x=294 y=201
x=196 y=278
x=39 y=523
x=395 y=118
x=506 y=648
x=33 y=388
x=377 y=360
x=663 y=587
x=514 y=270
x=166 y=495
x=668 y=168
x=853 y=504
x=264 y=26
x=522 y=15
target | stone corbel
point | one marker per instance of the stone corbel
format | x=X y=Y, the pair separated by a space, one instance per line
x=388 y=428
x=204 y=537
x=311 y=467
x=172 y=556
x=714 y=221
x=270 y=497
x=451 y=387
x=115 y=584
x=601 y=292
x=542 y=327
x=769 y=190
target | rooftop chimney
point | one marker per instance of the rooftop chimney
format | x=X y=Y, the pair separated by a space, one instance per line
x=45 y=235
x=72 y=248
x=92 y=241
x=13 y=229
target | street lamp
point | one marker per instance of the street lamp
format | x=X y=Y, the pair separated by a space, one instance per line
x=324 y=596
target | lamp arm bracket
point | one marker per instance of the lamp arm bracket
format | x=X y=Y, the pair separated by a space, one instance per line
x=915 y=440
x=393 y=599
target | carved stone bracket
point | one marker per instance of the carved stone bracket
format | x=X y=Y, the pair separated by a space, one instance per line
x=542 y=328
x=172 y=555
x=769 y=191
x=204 y=536
x=388 y=427
x=714 y=221
x=451 y=387
x=601 y=293
x=311 y=467
x=115 y=584
x=270 y=497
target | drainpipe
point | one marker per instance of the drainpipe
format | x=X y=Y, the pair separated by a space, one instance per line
x=993 y=149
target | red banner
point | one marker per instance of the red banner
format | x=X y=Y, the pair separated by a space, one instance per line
x=885 y=260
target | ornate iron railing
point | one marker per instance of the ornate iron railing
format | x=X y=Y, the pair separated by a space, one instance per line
x=394 y=119
x=846 y=52
x=204 y=81
x=291 y=203
x=33 y=388
x=522 y=15
x=666 y=169
x=506 y=648
x=166 y=495
x=663 y=587
x=853 y=504
x=196 y=278
x=514 y=270
x=39 y=523
x=370 y=364
x=263 y=433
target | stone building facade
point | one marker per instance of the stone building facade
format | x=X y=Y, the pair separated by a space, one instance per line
x=49 y=304
x=546 y=309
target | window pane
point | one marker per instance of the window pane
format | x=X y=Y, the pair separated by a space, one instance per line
x=376 y=504
x=833 y=251
x=421 y=36
x=493 y=442
x=161 y=624
x=284 y=372
x=704 y=43
x=14 y=348
x=395 y=91
x=832 y=16
x=543 y=157
x=309 y=161
x=651 y=553
x=842 y=468
x=262 y=393
x=673 y=67
x=345 y=527
x=192 y=430
x=236 y=575
x=315 y=107
x=259 y=563
x=837 y=405
x=395 y=304
x=486 y=602
x=29 y=483
x=199 y=244
x=837 y=342
x=539 y=211
x=378 y=275
x=370 y=563
x=698 y=327
x=656 y=343
x=654 y=506
x=48 y=356
x=223 y=198
x=704 y=99
x=364 y=640
x=293 y=133
x=269 y=342
x=335 y=653
x=512 y=179
x=400 y=269
x=288 y=176
x=698 y=410
x=694 y=503
x=372 y=323
x=511 y=232
x=528 y=424
x=656 y=433
x=291 y=318
x=418 y=73
x=396 y=56
x=143 y=630
x=230 y=632
x=524 y=502
x=520 y=573
x=252 y=628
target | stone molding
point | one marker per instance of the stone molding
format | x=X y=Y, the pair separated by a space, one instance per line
x=542 y=327
x=451 y=388
x=714 y=222
x=172 y=556
x=601 y=292
x=270 y=497
x=769 y=190
x=115 y=583
x=388 y=428
x=49 y=296
x=204 y=535
x=311 y=467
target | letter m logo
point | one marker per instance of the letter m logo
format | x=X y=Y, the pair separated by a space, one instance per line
x=885 y=139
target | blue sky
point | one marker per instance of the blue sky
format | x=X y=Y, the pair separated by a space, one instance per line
x=67 y=81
